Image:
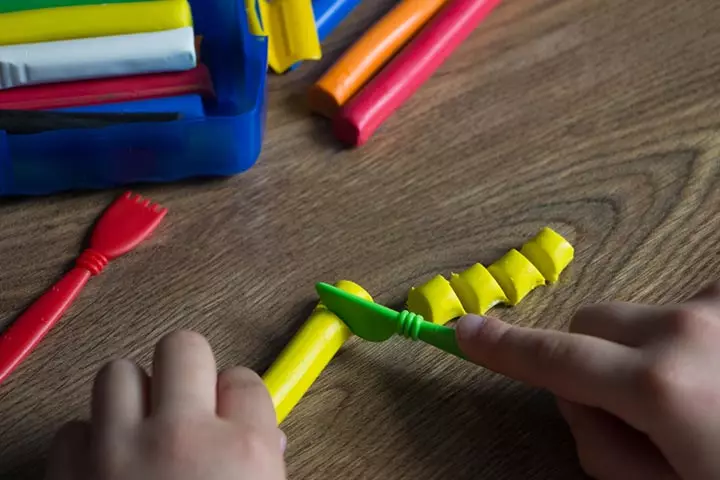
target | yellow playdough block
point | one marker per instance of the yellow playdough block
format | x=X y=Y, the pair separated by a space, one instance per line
x=516 y=275
x=307 y=355
x=550 y=253
x=436 y=301
x=291 y=31
x=69 y=23
x=477 y=289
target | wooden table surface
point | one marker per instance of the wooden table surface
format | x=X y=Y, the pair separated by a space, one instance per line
x=600 y=118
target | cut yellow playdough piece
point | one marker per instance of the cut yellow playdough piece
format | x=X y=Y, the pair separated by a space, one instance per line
x=436 y=301
x=307 y=354
x=516 y=275
x=550 y=253
x=69 y=23
x=477 y=289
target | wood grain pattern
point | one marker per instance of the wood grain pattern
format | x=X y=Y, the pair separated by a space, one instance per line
x=600 y=118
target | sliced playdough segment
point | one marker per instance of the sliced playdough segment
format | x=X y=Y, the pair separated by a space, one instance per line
x=477 y=289
x=69 y=23
x=436 y=301
x=516 y=275
x=550 y=253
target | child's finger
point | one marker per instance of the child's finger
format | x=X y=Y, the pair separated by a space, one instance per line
x=184 y=374
x=242 y=397
x=608 y=448
x=580 y=368
x=626 y=323
x=69 y=452
x=711 y=292
x=120 y=396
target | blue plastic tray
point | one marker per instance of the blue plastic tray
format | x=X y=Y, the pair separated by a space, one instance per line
x=227 y=141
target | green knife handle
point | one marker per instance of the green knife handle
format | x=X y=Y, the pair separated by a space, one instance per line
x=415 y=327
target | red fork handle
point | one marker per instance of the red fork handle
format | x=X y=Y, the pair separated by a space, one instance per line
x=26 y=332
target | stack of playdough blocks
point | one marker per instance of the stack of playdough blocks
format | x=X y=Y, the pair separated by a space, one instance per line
x=100 y=55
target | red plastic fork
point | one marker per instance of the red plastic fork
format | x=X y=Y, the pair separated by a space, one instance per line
x=128 y=221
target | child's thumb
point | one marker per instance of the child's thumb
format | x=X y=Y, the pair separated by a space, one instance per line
x=475 y=337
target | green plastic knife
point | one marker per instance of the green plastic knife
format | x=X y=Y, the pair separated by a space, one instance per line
x=376 y=323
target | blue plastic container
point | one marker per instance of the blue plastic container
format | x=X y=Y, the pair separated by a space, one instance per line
x=189 y=106
x=226 y=142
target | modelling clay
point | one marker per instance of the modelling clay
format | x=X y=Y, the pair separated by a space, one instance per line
x=255 y=23
x=330 y=13
x=436 y=301
x=68 y=23
x=8 y=6
x=377 y=323
x=516 y=275
x=121 y=89
x=477 y=289
x=307 y=354
x=369 y=54
x=550 y=253
x=356 y=122
x=506 y=281
x=101 y=57
x=290 y=28
x=187 y=106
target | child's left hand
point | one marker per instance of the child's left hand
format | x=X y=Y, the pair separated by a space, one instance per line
x=186 y=423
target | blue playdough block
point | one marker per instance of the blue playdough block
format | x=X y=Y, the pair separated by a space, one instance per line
x=189 y=106
x=225 y=142
x=328 y=15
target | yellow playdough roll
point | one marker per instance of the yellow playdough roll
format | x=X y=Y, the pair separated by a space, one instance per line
x=68 y=23
x=307 y=354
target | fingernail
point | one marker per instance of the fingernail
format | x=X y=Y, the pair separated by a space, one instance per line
x=469 y=326
x=283 y=442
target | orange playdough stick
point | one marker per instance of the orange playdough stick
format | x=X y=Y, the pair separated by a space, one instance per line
x=369 y=54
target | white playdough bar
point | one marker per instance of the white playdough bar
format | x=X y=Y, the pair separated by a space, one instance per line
x=101 y=57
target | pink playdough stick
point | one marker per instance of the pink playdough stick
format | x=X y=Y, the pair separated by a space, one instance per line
x=358 y=120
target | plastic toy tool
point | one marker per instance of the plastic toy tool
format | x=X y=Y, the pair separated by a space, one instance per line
x=128 y=221
x=377 y=323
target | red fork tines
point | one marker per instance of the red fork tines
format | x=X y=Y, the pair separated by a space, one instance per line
x=124 y=225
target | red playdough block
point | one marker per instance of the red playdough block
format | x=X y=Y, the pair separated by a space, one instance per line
x=403 y=76
x=110 y=90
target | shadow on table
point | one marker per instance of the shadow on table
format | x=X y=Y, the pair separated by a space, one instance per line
x=28 y=470
x=483 y=428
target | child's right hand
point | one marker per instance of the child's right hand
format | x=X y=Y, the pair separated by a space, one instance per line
x=638 y=385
